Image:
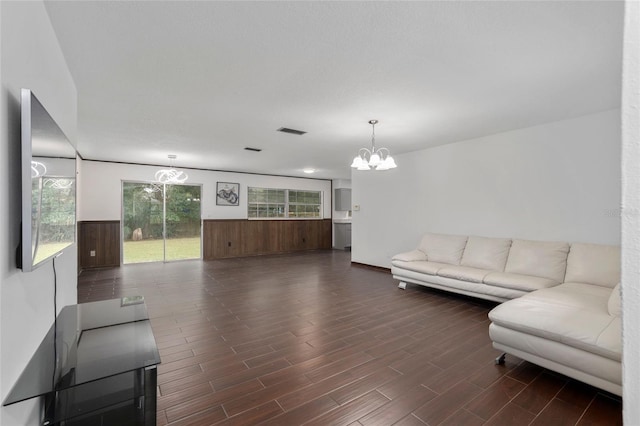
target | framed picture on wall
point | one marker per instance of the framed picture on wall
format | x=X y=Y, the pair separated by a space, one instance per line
x=227 y=194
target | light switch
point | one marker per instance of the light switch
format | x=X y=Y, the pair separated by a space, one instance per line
x=92 y=253
x=356 y=207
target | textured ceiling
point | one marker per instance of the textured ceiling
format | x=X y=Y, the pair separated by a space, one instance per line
x=203 y=80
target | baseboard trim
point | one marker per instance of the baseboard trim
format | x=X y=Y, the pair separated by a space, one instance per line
x=375 y=268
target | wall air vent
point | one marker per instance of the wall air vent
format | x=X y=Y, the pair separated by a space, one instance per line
x=248 y=148
x=292 y=131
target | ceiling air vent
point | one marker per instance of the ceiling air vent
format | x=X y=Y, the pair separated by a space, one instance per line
x=292 y=131
x=248 y=148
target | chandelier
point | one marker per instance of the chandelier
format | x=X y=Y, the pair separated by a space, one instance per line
x=37 y=169
x=171 y=175
x=373 y=159
x=58 y=183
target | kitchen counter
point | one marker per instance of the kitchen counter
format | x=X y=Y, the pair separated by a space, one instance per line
x=342 y=220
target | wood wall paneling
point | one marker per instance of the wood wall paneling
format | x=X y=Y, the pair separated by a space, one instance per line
x=103 y=238
x=241 y=237
x=326 y=233
x=221 y=239
x=256 y=238
x=277 y=242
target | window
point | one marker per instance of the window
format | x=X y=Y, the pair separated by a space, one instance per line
x=264 y=202
x=284 y=203
x=304 y=204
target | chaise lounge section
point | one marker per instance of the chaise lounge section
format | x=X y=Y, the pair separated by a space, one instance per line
x=573 y=328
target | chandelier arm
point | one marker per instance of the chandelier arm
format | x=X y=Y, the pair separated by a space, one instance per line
x=383 y=152
x=363 y=152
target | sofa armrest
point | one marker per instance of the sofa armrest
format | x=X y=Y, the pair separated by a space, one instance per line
x=614 y=305
x=410 y=256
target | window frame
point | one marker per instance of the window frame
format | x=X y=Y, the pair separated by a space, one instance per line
x=287 y=204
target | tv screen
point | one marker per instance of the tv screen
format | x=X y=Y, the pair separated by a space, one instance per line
x=48 y=186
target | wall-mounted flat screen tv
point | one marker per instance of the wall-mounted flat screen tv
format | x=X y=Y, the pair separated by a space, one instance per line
x=48 y=186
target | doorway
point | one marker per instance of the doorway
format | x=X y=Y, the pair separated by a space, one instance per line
x=160 y=222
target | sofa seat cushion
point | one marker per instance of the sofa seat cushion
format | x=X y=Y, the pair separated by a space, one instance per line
x=483 y=291
x=443 y=248
x=578 y=295
x=410 y=256
x=422 y=266
x=539 y=259
x=572 y=314
x=597 y=264
x=518 y=281
x=463 y=273
x=486 y=253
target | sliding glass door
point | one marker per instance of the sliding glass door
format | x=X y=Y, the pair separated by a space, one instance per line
x=160 y=222
x=182 y=222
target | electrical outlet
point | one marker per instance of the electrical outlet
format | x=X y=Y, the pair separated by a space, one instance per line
x=92 y=253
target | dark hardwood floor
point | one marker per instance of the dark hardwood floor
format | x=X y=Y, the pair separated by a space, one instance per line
x=308 y=338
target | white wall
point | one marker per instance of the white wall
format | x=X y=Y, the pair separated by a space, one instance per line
x=558 y=181
x=101 y=189
x=631 y=215
x=30 y=58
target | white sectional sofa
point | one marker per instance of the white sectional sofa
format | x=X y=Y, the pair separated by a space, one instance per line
x=562 y=301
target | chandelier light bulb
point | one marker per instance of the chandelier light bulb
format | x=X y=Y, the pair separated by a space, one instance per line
x=382 y=166
x=374 y=160
x=390 y=162
x=363 y=166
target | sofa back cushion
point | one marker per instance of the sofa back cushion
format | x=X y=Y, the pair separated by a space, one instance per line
x=597 y=264
x=544 y=259
x=443 y=248
x=486 y=253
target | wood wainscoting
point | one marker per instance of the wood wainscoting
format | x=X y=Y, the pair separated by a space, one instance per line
x=241 y=237
x=222 y=238
x=103 y=238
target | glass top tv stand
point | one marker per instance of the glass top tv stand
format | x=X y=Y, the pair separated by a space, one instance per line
x=96 y=365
